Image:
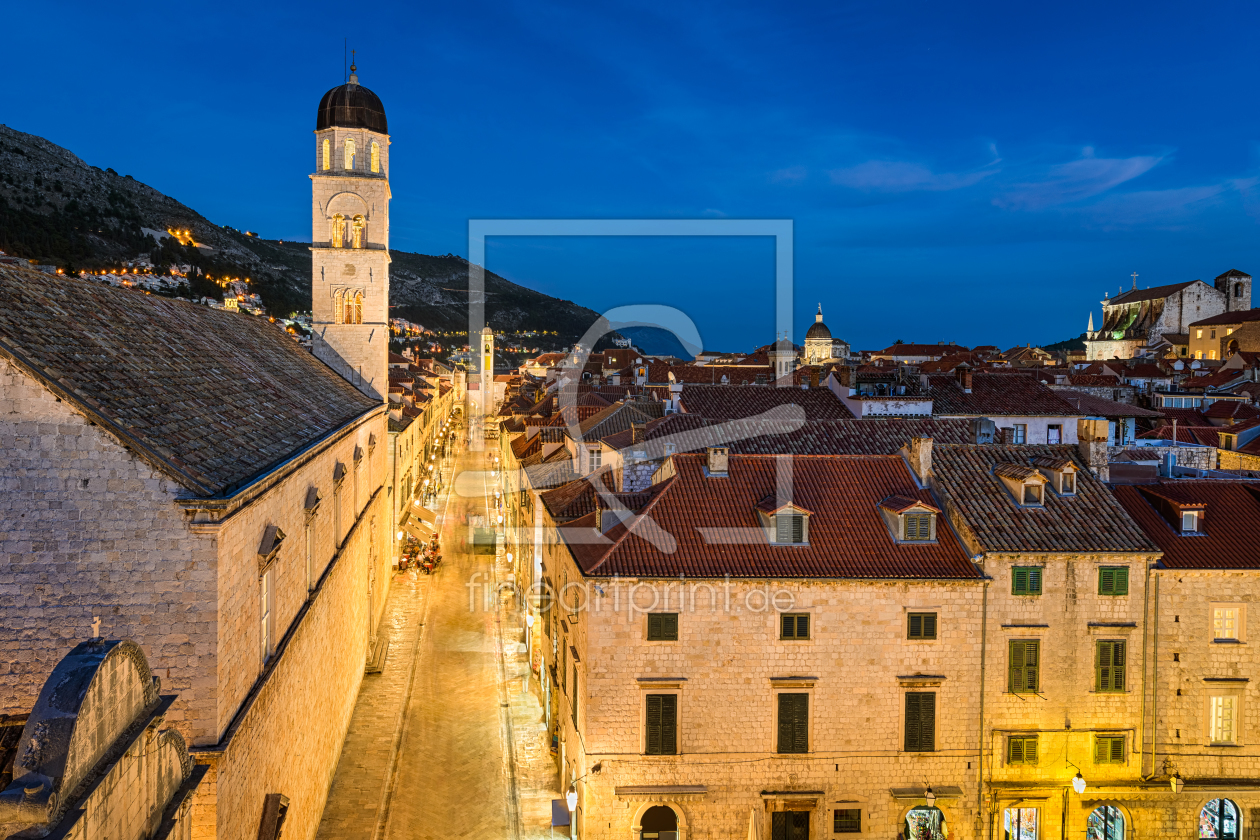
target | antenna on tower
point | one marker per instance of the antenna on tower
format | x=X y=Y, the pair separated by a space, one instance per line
x=345 y=45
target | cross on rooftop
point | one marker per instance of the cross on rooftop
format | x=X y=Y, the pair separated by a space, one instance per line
x=1135 y=277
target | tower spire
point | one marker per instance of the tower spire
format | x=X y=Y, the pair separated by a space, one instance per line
x=354 y=79
x=1091 y=321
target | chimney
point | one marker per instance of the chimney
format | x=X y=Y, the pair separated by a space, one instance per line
x=1092 y=443
x=963 y=374
x=920 y=457
x=813 y=378
x=637 y=432
x=718 y=461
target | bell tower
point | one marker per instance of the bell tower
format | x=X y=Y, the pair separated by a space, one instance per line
x=350 y=237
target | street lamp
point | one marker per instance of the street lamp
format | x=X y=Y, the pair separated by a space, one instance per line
x=1078 y=783
x=1177 y=783
x=929 y=797
x=571 y=798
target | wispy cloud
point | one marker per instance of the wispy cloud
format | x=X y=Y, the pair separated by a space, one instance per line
x=895 y=176
x=1075 y=180
x=790 y=175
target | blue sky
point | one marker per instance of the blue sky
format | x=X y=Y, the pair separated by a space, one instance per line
x=976 y=172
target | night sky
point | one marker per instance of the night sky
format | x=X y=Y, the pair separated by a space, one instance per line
x=980 y=173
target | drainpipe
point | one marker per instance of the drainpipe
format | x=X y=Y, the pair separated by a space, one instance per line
x=984 y=646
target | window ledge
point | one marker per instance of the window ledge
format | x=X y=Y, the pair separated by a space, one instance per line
x=1227 y=641
x=1227 y=679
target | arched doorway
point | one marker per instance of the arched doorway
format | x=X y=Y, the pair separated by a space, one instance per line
x=1219 y=820
x=1233 y=347
x=659 y=822
x=926 y=824
x=1105 y=823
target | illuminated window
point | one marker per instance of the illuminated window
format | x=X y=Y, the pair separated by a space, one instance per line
x=1223 y=717
x=327 y=154
x=338 y=314
x=1106 y=823
x=1198 y=333
x=264 y=609
x=358 y=308
x=348 y=160
x=1225 y=623
x=1219 y=820
x=338 y=231
x=356 y=235
x=376 y=157
x=1021 y=823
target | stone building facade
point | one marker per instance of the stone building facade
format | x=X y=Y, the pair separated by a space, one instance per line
x=220 y=500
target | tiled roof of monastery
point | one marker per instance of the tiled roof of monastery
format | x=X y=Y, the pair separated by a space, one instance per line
x=711 y=525
x=1153 y=293
x=212 y=398
x=1230 y=521
x=1090 y=521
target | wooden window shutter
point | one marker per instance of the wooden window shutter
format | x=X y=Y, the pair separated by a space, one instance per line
x=929 y=625
x=654 y=626
x=783 y=528
x=798 y=529
x=788 y=629
x=916 y=626
x=1116 y=751
x=1101 y=750
x=1109 y=671
x=1030 y=750
x=1015 y=750
x=669 y=626
x=1113 y=580
x=1034 y=580
x=920 y=721
x=1122 y=581
x=1015 y=666
x=1019 y=581
x=793 y=723
x=802 y=627
x=662 y=724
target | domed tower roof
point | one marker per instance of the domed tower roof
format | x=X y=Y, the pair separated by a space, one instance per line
x=818 y=329
x=351 y=106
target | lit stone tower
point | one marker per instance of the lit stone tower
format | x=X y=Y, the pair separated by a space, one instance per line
x=350 y=237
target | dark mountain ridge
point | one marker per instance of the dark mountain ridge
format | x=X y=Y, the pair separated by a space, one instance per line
x=58 y=210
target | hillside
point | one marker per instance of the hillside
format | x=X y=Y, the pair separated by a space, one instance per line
x=57 y=209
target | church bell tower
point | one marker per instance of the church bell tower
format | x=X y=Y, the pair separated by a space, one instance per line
x=350 y=237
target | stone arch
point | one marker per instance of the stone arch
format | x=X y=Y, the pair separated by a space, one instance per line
x=348 y=204
x=358 y=307
x=1124 y=812
x=337 y=231
x=947 y=816
x=1238 y=817
x=679 y=813
x=338 y=312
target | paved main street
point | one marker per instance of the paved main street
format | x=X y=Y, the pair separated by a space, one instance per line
x=448 y=741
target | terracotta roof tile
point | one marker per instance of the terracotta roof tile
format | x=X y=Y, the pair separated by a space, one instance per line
x=714 y=528
x=1091 y=520
x=1097 y=406
x=997 y=395
x=1231 y=521
x=727 y=403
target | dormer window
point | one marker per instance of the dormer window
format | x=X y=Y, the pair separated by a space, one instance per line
x=1190 y=521
x=1183 y=511
x=1026 y=485
x=785 y=524
x=909 y=519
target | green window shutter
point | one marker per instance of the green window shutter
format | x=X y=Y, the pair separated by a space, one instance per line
x=793 y=723
x=669 y=626
x=1015 y=750
x=1116 y=752
x=1030 y=750
x=654 y=626
x=1019 y=581
x=669 y=724
x=1122 y=581
x=1110 y=666
x=1117 y=666
x=1101 y=750
x=798 y=529
x=802 y=627
x=920 y=721
x=788 y=628
x=654 y=723
x=929 y=625
x=1015 y=666
x=922 y=626
x=1032 y=664
x=916 y=626
x=1113 y=580
x=1034 y=580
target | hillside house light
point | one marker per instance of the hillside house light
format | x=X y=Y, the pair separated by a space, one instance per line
x=1078 y=783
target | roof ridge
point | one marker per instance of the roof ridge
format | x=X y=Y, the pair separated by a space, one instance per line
x=669 y=482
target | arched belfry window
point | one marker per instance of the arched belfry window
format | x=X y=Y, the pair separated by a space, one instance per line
x=357 y=229
x=337 y=311
x=358 y=307
x=347 y=316
x=349 y=154
x=376 y=156
x=327 y=150
x=338 y=231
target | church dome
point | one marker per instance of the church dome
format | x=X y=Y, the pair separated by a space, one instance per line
x=351 y=106
x=818 y=329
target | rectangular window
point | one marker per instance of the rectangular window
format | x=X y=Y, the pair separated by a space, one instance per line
x=574 y=695
x=1026 y=580
x=337 y=516
x=1189 y=521
x=596 y=456
x=1023 y=666
x=1020 y=823
x=1021 y=749
x=1225 y=623
x=1113 y=580
x=847 y=821
x=1198 y=333
x=662 y=627
x=1032 y=494
x=794 y=626
x=921 y=626
x=310 y=557
x=1109 y=749
x=789 y=528
x=920 y=721
x=1054 y=434
x=264 y=613
x=918 y=526
x=1109 y=666
x=1019 y=433
x=662 y=724
x=1223 y=717
x=793 y=723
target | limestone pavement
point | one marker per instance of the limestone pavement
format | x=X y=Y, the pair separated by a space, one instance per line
x=447 y=741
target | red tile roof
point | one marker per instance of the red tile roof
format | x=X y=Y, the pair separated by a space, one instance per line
x=997 y=395
x=1231 y=521
x=1205 y=435
x=1241 y=316
x=727 y=403
x=1153 y=293
x=713 y=527
x=936 y=350
x=1184 y=416
x=1231 y=410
